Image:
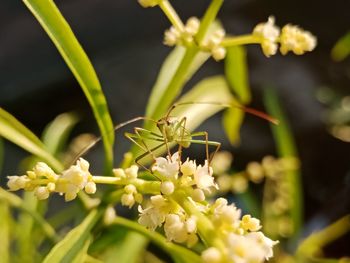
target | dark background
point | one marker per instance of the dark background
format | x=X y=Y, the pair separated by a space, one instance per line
x=124 y=42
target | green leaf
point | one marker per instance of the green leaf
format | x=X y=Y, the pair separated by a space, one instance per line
x=5 y=228
x=342 y=48
x=236 y=71
x=214 y=94
x=72 y=244
x=177 y=69
x=129 y=250
x=14 y=131
x=56 y=133
x=232 y=121
x=17 y=202
x=82 y=255
x=312 y=245
x=2 y=153
x=57 y=28
x=286 y=149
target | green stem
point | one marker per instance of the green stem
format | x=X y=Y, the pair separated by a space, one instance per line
x=208 y=19
x=205 y=227
x=159 y=240
x=171 y=15
x=240 y=40
x=320 y=239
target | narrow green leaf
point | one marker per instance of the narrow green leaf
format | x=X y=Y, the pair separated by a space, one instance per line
x=82 y=255
x=286 y=149
x=319 y=239
x=15 y=201
x=27 y=249
x=14 y=131
x=342 y=48
x=72 y=244
x=5 y=226
x=212 y=90
x=56 y=133
x=236 y=71
x=232 y=121
x=57 y=28
x=130 y=250
x=177 y=69
x=2 y=153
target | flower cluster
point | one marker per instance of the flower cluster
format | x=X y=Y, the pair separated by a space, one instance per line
x=242 y=238
x=43 y=181
x=243 y=242
x=185 y=36
x=291 y=38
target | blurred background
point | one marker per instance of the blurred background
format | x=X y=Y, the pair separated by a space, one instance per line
x=124 y=42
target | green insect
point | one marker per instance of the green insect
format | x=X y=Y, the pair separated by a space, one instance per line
x=172 y=130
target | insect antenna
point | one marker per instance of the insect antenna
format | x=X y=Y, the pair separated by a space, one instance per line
x=249 y=110
x=117 y=127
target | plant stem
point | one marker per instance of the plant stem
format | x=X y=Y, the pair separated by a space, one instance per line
x=208 y=18
x=204 y=225
x=171 y=15
x=240 y=40
x=158 y=239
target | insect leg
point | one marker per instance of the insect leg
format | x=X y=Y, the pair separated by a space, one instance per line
x=182 y=125
x=145 y=154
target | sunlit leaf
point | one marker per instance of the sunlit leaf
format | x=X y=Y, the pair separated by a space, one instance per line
x=56 y=133
x=232 y=121
x=50 y=18
x=82 y=255
x=72 y=244
x=342 y=48
x=236 y=72
x=14 y=131
x=5 y=226
x=2 y=154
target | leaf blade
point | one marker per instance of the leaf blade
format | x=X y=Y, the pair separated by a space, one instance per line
x=12 y=130
x=57 y=28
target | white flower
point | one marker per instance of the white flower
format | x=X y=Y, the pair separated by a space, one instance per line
x=167 y=167
x=119 y=172
x=255 y=172
x=225 y=214
x=167 y=187
x=265 y=243
x=171 y=36
x=175 y=229
x=130 y=189
x=90 y=188
x=127 y=200
x=41 y=193
x=218 y=53
x=15 y=182
x=211 y=255
x=203 y=177
x=250 y=223
x=297 y=40
x=131 y=172
x=110 y=215
x=43 y=170
x=74 y=179
x=243 y=249
x=198 y=195
x=188 y=167
x=269 y=34
x=191 y=28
